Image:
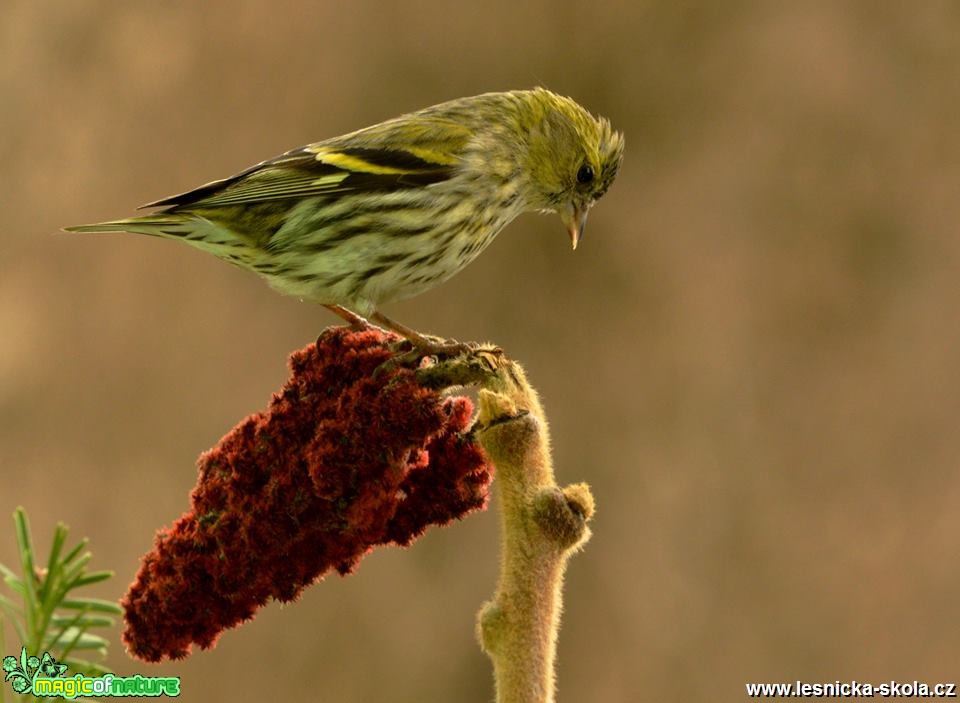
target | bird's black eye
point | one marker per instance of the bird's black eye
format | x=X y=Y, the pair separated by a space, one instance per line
x=585 y=174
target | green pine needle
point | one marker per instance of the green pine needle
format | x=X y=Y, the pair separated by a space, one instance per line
x=46 y=613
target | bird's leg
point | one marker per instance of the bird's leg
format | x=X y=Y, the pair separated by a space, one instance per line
x=423 y=344
x=353 y=319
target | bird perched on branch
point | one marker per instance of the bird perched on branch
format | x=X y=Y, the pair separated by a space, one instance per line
x=392 y=210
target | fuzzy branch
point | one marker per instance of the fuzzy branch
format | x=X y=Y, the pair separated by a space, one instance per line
x=541 y=524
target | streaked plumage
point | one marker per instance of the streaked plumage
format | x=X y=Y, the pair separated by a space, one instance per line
x=392 y=210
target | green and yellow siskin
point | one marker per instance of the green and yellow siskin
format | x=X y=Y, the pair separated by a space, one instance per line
x=390 y=211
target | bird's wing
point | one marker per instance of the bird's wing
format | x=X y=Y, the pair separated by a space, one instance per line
x=402 y=153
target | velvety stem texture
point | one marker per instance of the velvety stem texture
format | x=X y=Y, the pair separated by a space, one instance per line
x=542 y=525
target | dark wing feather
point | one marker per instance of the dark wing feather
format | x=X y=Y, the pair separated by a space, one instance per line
x=317 y=170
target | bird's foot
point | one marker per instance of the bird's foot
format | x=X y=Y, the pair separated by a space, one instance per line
x=429 y=345
x=423 y=344
x=415 y=352
x=415 y=347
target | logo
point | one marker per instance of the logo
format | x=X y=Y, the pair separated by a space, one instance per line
x=45 y=677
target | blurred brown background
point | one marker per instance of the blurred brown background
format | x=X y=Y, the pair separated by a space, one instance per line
x=753 y=358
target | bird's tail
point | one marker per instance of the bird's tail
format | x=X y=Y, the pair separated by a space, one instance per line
x=168 y=225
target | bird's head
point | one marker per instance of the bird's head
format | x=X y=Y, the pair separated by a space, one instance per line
x=572 y=158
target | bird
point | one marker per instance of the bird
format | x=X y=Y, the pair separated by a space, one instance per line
x=387 y=212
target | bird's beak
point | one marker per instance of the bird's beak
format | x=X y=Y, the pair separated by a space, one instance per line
x=575 y=219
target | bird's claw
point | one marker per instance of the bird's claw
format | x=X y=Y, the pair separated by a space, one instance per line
x=429 y=350
x=434 y=347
